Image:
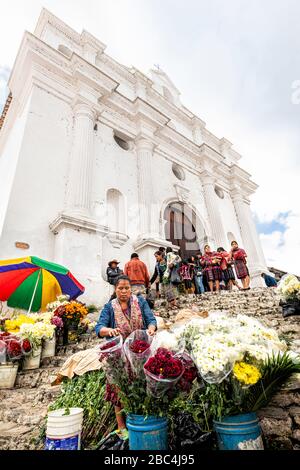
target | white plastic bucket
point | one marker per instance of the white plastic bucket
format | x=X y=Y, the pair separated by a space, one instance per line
x=33 y=361
x=64 y=431
x=48 y=349
x=8 y=375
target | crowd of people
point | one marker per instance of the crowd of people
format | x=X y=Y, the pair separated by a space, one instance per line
x=210 y=271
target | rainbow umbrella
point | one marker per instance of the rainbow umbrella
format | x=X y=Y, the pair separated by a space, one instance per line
x=31 y=283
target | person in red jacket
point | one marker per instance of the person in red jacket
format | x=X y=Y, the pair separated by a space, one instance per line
x=211 y=263
x=239 y=256
x=138 y=274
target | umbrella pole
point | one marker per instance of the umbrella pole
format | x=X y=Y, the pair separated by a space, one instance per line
x=35 y=288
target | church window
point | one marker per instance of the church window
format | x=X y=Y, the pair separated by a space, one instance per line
x=64 y=50
x=115 y=210
x=122 y=142
x=178 y=172
x=219 y=192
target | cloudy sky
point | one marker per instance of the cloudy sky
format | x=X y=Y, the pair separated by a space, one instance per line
x=237 y=64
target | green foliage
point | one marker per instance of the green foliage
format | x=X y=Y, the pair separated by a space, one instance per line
x=275 y=372
x=214 y=401
x=92 y=308
x=88 y=392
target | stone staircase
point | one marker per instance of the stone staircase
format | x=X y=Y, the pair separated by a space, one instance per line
x=24 y=408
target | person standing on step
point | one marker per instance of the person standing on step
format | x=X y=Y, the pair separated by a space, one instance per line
x=113 y=271
x=239 y=257
x=227 y=270
x=185 y=273
x=211 y=263
x=138 y=274
x=270 y=281
x=198 y=279
x=158 y=275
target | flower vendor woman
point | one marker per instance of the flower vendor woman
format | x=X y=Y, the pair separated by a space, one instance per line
x=212 y=270
x=227 y=269
x=121 y=316
x=239 y=256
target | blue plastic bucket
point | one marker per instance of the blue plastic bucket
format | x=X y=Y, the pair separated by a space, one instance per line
x=239 y=432
x=147 y=433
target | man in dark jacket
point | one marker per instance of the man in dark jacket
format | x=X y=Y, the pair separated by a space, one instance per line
x=269 y=280
x=113 y=272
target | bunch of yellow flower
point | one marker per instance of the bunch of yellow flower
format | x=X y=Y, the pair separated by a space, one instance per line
x=75 y=311
x=246 y=373
x=13 y=326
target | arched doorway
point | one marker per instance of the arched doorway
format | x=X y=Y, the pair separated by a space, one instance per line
x=183 y=229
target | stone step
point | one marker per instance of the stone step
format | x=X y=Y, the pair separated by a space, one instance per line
x=37 y=377
x=20 y=396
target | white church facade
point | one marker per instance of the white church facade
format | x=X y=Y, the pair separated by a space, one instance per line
x=98 y=160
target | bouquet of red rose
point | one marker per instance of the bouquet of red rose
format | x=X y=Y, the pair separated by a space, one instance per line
x=112 y=359
x=190 y=372
x=162 y=371
x=137 y=350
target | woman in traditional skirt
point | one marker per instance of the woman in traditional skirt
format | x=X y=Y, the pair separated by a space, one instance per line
x=227 y=269
x=121 y=316
x=212 y=271
x=239 y=256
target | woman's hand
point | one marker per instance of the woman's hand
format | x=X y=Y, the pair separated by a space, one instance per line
x=113 y=332
x=151 y=330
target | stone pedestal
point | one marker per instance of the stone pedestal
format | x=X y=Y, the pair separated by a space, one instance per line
x=79 y=247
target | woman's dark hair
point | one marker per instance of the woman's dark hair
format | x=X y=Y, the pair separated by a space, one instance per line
x=199 y=253
x=233 y=241
x=220 y=249
x=134 y=255
x=122 y=278
x=206 y=246
x=191 y=259
x=169 y=250
x=158 y=253
x=161 y=248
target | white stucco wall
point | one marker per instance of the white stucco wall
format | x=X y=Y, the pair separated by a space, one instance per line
x=39 y=184
x=9 y=160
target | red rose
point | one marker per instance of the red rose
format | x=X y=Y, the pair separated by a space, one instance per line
x=14 y=349
x=26 y=345
x=139 y=346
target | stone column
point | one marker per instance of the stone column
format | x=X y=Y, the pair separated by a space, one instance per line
x=81 y=169
x=256 y=260
x=148 y=207
x=217 y=229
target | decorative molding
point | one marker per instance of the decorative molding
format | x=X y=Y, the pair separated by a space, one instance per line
x=153 y=242
x=65 y=220
x=117 y=239
x=183 y=193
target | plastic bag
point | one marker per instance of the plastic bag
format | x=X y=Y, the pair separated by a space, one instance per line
x=190 y=372
x=170 y=341
x=290 y=309
x=112 y=358
x=138 y=359
x=2 y=352
x=113 y=442
x=187 y=433
x=14 y=349
x=157 y=385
